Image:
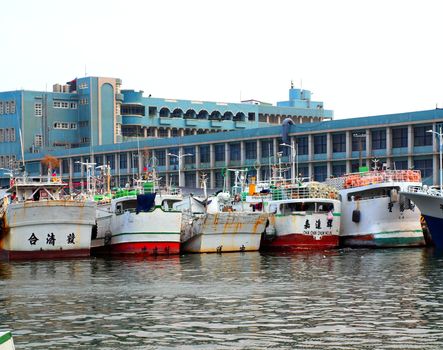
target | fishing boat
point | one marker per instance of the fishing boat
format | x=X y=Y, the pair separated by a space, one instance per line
x=302 y=215
x=430 y=202
x=375 y=213
x=6 y=341
x=220 y=223
x=39 y=221
x=140 y=221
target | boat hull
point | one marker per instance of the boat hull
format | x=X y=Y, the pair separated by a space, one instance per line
x=47 y=230
x=303 y=231
x=382 y=223
x=431 y=209
x=223 y=232
x=146 y=233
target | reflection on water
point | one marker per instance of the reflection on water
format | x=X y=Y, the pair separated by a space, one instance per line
x=347 y=299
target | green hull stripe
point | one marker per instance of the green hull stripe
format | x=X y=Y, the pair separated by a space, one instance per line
x=146 y=233
x=5 y=337
x=397 y=231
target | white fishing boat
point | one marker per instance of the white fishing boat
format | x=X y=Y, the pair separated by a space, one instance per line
x=139 y=221
x=6 y=341
x=39 y=221
x=221 y=222
x=302 y=215
x=375 y=214
x=218 y=227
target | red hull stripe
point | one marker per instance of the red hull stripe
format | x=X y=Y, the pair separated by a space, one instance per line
x=140 y=248
x=43 y=254
x=300 y=241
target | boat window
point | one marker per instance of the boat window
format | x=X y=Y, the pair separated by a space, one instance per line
x=119 y=208
x=288 y=208
x=168 y=204
x=129 y=205
x=372 y=193
x=325 y=207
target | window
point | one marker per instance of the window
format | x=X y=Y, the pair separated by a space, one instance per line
x=173 y=160
x=190 y=179
x=57 y=104
x=358 y=141
x=378 y=139
x=160 y=154
x=64 y=104
x=189 y=159
x=422 y=137
x=73 y=125
x=84 y=123
x=338 y=169
x=133 y=110
x=7 y=107
x=82 y=86
x=152 y=111
x=2 y=135
x=205 y=156
x=38 y=110
x=63 y=125
x=302 y=145
x=118 y=129
x=267 y=148
x=123 y=161
x=234 y=151
x=400 y=164
x=38 y=140
x=251 y=149
x=338 y=143
x=1 y=107
x=399 y=137
x=73 y=105
x=425 y=166
x=320 y=173
x=219 y=152
x=12 y=136
x=6 y=135
x=219 y=179
x=319 y=144
x=12 y=107
x=84 y=140
x=83 y=101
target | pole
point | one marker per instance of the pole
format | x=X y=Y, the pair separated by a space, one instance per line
x=293 y=154
x=179 y=169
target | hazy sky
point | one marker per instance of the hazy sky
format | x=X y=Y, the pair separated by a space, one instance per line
x=359 y=57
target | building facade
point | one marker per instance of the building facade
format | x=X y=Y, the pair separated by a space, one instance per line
x=94 y=111
x=323 y=149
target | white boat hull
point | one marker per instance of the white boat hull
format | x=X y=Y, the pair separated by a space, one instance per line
x=381 y=224
x=155 y=232
x=47 y=229
x=223 y=232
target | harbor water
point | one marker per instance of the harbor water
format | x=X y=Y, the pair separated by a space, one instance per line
x=344 y=299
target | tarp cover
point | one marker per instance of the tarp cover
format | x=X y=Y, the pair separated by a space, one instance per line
x=145 y=202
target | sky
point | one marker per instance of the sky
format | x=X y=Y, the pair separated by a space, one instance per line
x=359 y=57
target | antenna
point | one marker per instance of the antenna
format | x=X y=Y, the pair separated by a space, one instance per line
x=85 y=71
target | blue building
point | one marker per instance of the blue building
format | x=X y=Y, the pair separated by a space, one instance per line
x=94 y=111
x=92 y=119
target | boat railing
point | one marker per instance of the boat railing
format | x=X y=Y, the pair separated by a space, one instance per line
x=374 y=177
x=285 y=192
x=433 y=191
